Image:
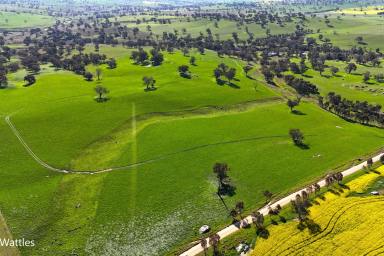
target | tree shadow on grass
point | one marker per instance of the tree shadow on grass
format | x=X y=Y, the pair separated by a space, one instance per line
x=298 y=112
x=150 y=89
x=101 y=100
x=227 y=190
x=223 y=202
x=303 y=146
x=232 y=85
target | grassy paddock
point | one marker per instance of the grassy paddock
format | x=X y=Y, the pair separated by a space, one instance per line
x=183 y=127
x=11 y=20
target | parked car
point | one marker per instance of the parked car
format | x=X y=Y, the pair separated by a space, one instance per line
x=204 y=229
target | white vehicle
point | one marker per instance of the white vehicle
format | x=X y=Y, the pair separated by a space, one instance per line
x=375 y=193
x=204 y=229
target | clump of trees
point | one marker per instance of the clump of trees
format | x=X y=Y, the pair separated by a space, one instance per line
x=184 y=71
x=302 y=87
x=356 y=111
x=157 y=57
x=223 y=70
x=142 y=57
x=258 y=219
x=300 y=206
x=333 y=178
x=78 y=62
x=237 y=211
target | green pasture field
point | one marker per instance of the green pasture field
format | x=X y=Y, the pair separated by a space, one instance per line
x=13 y=20
x=176 y=133
x=350 y=86
x=345 y=29
x=224 y=30
x=342 y=32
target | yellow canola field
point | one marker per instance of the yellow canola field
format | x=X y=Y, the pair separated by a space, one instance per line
x=370 y=10
x=349 y=226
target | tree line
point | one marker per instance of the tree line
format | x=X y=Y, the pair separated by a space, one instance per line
x=358 y=111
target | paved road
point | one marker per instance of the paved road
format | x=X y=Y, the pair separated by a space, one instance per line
x=282 y=202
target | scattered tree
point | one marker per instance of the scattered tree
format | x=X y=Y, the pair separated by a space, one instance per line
x=268 y=196
x=112 y=63
x=203 y=243
x=88 y=76
x=149 y=83
x=247 y=68
x=224 y=182
x=184 y=71
x=30 y=79
x=369 y=163
x=350 y=67
x=98 y=73
x=192 y=60
x=334 y=70
x=292 y=104
x=366 y=76
x=101 y=92
x=214 y=241
x=296 y=136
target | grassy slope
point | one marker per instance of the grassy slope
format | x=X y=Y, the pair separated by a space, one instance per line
x=347 y=28
x=350 y=86
x=73 y=95
x=352 y=225
x=52 y=115
x=185 y=180
x=225 y=28
x=59 y=107
x=342 y=33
